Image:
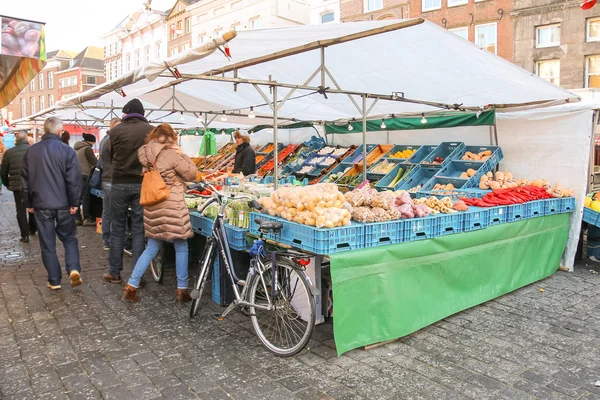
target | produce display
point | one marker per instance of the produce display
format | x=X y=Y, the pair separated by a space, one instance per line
x=384 y=167
x=317 y=205
x=403 y=154
x=483 y=156
x=437 y=160
x=592 y=201
x=516 y=195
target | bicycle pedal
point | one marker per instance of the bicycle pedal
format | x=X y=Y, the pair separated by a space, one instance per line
x=195 y=294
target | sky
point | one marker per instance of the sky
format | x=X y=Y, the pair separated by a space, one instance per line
x=75 y=24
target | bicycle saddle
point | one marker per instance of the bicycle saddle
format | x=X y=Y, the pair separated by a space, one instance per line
x=268 y=225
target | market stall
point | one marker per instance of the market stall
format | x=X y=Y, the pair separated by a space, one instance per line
x=383 y=125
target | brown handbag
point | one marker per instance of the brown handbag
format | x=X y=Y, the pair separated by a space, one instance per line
x=154 y=189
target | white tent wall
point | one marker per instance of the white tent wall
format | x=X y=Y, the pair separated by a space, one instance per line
x=551 y=143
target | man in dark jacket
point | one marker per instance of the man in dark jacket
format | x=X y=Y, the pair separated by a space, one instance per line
x=245 y=159
x=87 y=161
x=125 y=140
x=106 y=166
x=51 y=185
x=10 y=171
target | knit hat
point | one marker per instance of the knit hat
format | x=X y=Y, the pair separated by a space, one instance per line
x=134 y=107
x=88 y=137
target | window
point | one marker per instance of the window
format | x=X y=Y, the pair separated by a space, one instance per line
x=74 y=79
x=592 y=71
x=50 y=80
x=61 y=83
x=158 y=55
x=42 y=103
x=174 y=51
x=462 y=32
x=32 y=85
x=454 y=3
x=90 y=80
x=593 y=30
x=327 y=17
x=32 y=100
x=372 y=5
x=50 y=100
x=188 y=25
x=485 y=37
x=147 y=53
x=256 y=23
x=128 y=62
x=23 y=108
x=201 y=38
x=185 y=47
x=429 y=5
x=547 y=36
x=41 y=83
x=548 y=70
x=172 y=31
x=137 y=58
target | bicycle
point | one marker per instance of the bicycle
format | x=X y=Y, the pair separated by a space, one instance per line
x=280 y=300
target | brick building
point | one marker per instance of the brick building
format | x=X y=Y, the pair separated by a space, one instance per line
x=85 y=71
x=179 y=28
x=366 y=10
x=558 y=41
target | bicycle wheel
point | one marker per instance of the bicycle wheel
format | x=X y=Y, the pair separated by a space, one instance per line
x=157 y=267
x=286 y=329
x=201 y=280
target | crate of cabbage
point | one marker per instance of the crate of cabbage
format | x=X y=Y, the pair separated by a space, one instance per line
x=395 y=178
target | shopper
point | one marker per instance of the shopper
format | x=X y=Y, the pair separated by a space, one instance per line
x=87 y=161
x=168 y=221
x=10 y=172
x=106 y=166
x=2 y=151
x=125 y=141
x=245 y=159
x=65 y=137
x=51 y=185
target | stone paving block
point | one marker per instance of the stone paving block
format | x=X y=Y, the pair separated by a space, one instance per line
x=180 y=392
x=145 y=392
x=312 y=394
x=105 y=380
x=216 y=394
x=55 y=395
x=46 y=383
x=119 y=392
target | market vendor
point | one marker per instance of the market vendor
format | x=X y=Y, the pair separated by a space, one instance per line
x=245 y=159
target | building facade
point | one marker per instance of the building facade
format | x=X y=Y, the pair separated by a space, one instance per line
x=324 y=12
x=179 y=28
x=558 y=41
x=368 y=10
x=85 y=71
x=140 y=38
x=212 y=18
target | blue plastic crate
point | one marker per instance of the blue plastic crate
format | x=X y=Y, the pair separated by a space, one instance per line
x=420 y=177
x=498 y=215
x=236 y=237
x=447 y=224
x=476 y=218
x=495 y=157
x=419 y=229
x=567 y=205
x=337 y=170
x=473 y=193
x=216 y=281
x=552 y=206
x=318 y=241
x=356 y=156
x=445 y=150
x=382 y=233
x=455 y=168
x=384 y=183
x=420 y=155
x=430 y=185
x=590 y=216
x=534 y=209
x=401 y=147
x=201 y=224
x=516 y=212
x=380 y=161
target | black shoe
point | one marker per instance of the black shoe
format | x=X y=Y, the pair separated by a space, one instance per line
x=89 y=222
x=25 y=239
x=78 y=222
x=32 y=233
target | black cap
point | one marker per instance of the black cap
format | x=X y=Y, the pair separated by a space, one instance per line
x=134 y=107
x=88 y=137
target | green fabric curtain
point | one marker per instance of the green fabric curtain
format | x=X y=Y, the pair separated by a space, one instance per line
x=208 y=147
x=387 y=292
x=200 y=132
x=450 y=120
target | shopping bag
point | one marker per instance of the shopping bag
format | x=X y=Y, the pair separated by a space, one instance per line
x=154 y=189
x=95 y=178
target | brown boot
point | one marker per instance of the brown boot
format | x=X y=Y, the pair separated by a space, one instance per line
x=183 y=296
x=129 y=294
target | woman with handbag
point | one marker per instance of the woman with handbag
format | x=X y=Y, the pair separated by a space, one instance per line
x=166 y=216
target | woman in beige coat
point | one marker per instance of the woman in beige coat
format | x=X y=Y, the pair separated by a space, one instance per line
x=168 y=221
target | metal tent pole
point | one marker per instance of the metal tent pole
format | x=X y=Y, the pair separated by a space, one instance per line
x=364 y=136
x=275 y=135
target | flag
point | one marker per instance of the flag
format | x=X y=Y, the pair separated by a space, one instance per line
x=588 y=4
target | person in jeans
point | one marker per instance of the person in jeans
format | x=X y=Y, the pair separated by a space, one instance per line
x=106 y=165
x=169 y=220
x=125 y=141
x=51 y=186
x=10 y=173
x=87 y=161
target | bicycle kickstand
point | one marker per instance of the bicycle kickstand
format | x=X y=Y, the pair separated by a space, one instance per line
x=229 y=309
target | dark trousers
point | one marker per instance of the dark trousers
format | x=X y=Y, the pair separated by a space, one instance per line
x=122 y=197
x=86 y=202
x=106 y=186
x=52 y=223
x=26 y=220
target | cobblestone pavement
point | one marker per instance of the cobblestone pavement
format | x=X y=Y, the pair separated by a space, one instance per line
x=85 y=344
